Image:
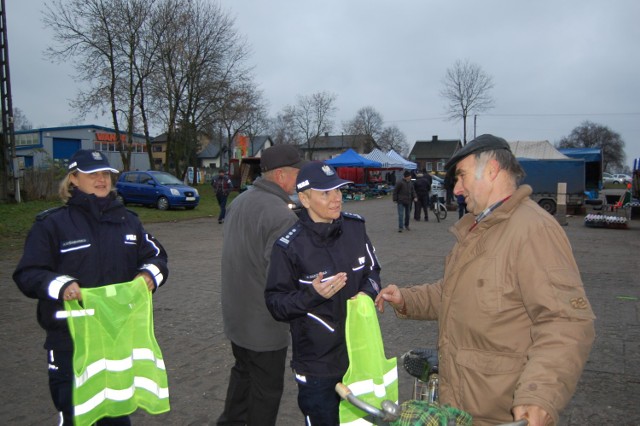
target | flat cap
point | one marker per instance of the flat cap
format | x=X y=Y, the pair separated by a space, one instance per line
x=281 y=156
x=482 y=143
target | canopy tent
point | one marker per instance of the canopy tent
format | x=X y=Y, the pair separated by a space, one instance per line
x=409 y=165
x=350 y=158
x=589 y=154
x=541 y=150
x=386 y=161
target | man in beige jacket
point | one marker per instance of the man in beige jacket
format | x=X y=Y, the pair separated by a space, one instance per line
x=515 y=325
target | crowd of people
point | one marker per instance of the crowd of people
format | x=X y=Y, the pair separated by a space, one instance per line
x=515 y=324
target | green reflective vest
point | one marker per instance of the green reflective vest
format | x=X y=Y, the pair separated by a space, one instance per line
x=370 y=376
x=117 y=362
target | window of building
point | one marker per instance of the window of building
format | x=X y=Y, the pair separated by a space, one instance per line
x=27 y=139
x=429 y=166
x=441 y=166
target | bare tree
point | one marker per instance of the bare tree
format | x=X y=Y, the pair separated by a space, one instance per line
x=313 y=116
x=20 y=120
x=592 y=135
x=242 y=109
x=393 y=138
x=201 y=62
x=367 y=121
x=105 y=40
x=283 y=129
x=466 y=89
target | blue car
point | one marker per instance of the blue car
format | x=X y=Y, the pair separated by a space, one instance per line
x=159 y=189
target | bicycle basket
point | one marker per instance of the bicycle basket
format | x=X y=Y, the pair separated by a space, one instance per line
x=420 y=363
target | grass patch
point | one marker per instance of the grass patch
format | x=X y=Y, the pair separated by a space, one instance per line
x=16 y=219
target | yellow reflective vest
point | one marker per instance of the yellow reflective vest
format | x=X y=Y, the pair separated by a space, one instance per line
x=117 y=362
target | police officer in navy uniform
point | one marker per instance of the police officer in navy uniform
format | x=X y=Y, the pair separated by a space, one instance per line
x=325 y=259
x=90 y=241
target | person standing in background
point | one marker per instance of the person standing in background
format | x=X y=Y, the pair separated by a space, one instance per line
x=403 y=195
x=255 y=219
x=422 y=185
x=222 y=187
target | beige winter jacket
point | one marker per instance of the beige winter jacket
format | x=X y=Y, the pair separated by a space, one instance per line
x=515 y=324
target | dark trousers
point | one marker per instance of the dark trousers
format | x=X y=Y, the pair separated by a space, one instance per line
x=222 y=202
x=255 y=387
x=61 y=388
x=422 y=204
x=318 y=400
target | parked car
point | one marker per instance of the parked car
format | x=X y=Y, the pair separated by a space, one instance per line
x=622 y=178
x=153 y=188
x=607 y=178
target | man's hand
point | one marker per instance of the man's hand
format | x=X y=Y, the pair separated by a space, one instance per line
x=536 y=415
x=391 y=294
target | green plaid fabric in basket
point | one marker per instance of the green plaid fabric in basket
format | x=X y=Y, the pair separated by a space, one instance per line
x=423 y=413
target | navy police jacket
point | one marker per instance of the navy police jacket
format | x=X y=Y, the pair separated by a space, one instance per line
x=317 y=324
x=89 y=240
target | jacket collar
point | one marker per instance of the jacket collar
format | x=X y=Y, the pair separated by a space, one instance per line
x=273 y=188
x=500 y=214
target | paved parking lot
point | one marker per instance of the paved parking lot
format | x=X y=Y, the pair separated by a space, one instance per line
x=198 y=356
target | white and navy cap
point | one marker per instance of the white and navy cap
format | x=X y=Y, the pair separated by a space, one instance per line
x=89 y=161
x=318 y=176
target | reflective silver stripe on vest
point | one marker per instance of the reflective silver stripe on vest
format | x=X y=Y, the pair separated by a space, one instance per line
x=75 y=313
x=367 y=386
x=121 y=394
x=139 y=354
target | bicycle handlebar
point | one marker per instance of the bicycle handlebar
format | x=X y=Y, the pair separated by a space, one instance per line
x=390 y=411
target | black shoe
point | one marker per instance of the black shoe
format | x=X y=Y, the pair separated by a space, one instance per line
x=221 y=220
x=400 y=230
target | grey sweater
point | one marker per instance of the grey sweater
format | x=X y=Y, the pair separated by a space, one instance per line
x=255 y=219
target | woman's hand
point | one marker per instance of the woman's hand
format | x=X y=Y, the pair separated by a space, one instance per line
x=330 y=287
x=72 y=292
x=151 y=285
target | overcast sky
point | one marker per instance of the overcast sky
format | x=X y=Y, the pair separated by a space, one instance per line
x=554 y=63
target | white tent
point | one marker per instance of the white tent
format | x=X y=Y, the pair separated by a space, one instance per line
x=409 y=165
x=539 y=150
x=386 y=161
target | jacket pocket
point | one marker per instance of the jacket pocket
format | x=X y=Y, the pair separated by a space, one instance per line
x=484 y=373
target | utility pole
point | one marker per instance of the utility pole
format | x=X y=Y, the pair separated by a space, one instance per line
x=9 y=169
x=475 y=116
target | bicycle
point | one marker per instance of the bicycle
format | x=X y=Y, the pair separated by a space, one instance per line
x=422 y=364
x=439 y=209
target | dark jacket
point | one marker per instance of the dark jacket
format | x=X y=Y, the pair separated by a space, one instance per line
x=404 y=192
x=222 y=185
x=83 y=242
x=423 y=185
x=317 y=324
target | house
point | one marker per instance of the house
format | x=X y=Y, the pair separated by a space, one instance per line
x=244 y=146
x=326 y=147
x=432 y=155
x=38 y=148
